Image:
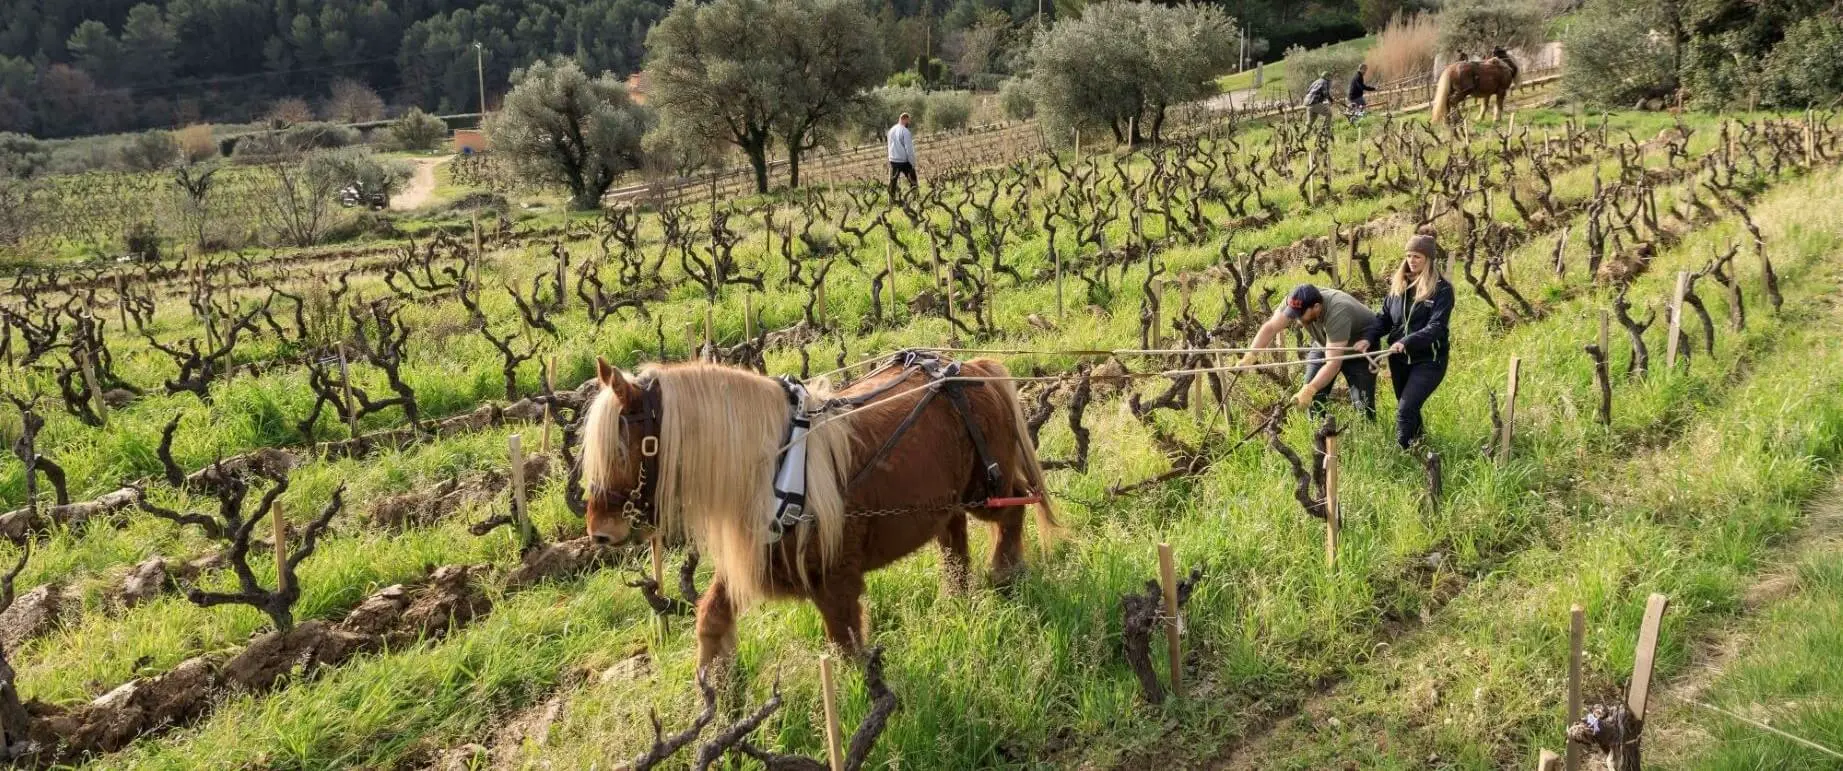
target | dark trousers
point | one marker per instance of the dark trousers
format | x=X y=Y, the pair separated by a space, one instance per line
x=1414 y=383
x=898 y=170
x=1357 y=376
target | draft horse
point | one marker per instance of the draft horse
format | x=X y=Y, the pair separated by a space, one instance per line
x=1482 y=79
x=898 y=458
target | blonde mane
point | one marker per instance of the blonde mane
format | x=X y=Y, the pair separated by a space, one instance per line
x=720 y=436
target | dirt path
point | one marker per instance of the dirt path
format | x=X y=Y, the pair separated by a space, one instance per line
x=421 y=187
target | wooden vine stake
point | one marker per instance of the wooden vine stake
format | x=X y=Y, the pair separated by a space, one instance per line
x=1331 y=256
x=345 y=387
x=1058 y=256
x=1676 y=318
x=658 y=550
x=710 y=327
x=1606 y=320
x=1156 y=335
x=748 y=316
x=121 y=298
x=1333 y=510
x=1167 y=579
x=819 y=304
x=1577 y=635
x=889 y=264
x=281 y=547
x=516 y=449
x=835 y=745
x=1644 y=658
x=1547 y=761
x=97 y=403
x=1510 y=409
x=550 y=388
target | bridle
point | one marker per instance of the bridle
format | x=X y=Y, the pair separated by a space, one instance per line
x=640 y=506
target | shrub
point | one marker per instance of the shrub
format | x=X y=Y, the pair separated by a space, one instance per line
x=142 y=241
x=1806 y=68
x=149 y=150
x=23 y=156
x=418 y=131
x=986 y=82
x=1303 y=67
x=358 y=168
x=196 y=143
x=1614 y=59
x=1477 y=26
x=1406 y=47
x=1016 y=100
x=904 y=79
x=889 y=103
x=318 y=136
x=949 y=110
x=286 y=112
x=353 y=102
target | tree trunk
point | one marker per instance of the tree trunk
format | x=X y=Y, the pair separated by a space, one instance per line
x=793 y=165
x=758 y=158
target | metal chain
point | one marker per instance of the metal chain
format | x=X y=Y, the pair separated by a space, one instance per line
x=916 y=509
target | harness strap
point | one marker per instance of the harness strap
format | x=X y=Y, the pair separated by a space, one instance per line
x=957 y=396
x=790 y=475
x=895 y=436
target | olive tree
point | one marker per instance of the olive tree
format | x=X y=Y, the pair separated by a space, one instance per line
x=1478 y=26
x=560 y=126
x=756 y=72
x=1120 y=65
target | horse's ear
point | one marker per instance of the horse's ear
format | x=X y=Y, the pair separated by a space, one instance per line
x=613 y=380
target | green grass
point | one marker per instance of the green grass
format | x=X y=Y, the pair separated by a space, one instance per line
x=1787 y=677
x=988 y=679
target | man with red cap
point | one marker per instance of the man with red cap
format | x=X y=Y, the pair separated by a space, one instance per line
x=1338 y=324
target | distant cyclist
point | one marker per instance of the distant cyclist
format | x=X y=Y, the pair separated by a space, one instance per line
x=1358 y=88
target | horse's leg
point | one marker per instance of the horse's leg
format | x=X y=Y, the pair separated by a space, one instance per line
x=716 y=625
x=1008 y=547
x=956 y=563
x=840 y=602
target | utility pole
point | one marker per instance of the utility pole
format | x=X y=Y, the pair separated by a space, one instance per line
x=480 y=69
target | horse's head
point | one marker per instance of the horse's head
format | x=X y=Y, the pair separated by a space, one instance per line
x=620 y=458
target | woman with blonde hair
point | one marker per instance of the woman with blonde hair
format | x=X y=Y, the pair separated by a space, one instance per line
x=1414 y=317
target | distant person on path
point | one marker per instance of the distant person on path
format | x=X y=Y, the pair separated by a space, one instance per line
x=1337 y=324
x=1415 y=316
x=902 y=155
x=1357 y=89
x=1318 y=101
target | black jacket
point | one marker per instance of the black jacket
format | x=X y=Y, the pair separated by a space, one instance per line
x=1420 y=327
x=1357 y=87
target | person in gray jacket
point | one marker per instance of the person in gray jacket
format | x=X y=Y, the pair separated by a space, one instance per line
x=901 y=155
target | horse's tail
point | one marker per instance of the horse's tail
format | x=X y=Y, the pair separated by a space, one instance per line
x=1442 y=91
x=1048 y=529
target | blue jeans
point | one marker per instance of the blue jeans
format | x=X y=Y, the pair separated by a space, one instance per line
x=1357 y=376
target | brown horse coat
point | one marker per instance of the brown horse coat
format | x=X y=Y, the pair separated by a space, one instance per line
x=1483 y=79
x=914 y=494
